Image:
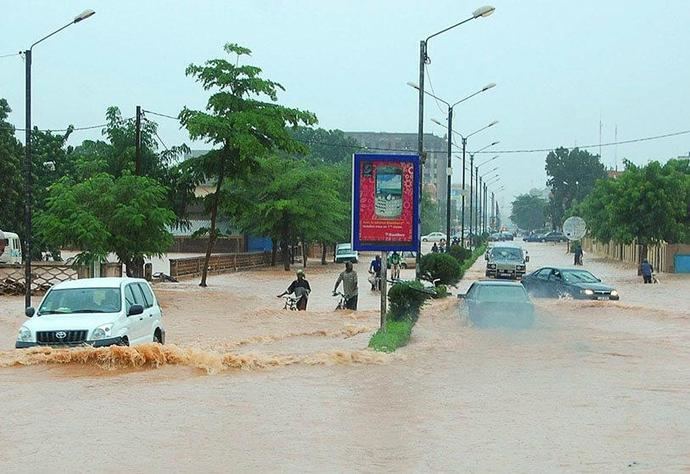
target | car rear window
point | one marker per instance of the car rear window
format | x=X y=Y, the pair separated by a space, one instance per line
x=501 y=294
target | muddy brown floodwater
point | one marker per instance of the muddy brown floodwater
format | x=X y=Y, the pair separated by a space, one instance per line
x=244 y=386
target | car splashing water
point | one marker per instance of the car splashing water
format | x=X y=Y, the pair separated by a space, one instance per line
x=593 y=386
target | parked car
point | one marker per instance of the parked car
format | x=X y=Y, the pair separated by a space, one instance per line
x=554 y=236
x=505 y=261
x=507 y=235
x=496 y=237
x=409 y=260
x=553 y=282
x=536 y=237
x=344 y=253
x=498 y=303
x=94 y=311
x=434 y=237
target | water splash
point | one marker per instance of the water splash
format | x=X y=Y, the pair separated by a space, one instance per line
x=151 y=356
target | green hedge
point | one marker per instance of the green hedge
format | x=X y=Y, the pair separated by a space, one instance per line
x=397 y=334
x=405 y=300
x=441 y=266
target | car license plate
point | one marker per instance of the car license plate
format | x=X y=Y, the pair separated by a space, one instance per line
x=602 y=297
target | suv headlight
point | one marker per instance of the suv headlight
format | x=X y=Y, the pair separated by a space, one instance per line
x=520 y=267
x=587 y=292
x=614 y=293
x=101 y=332
x=491 y=266
x=24 y=335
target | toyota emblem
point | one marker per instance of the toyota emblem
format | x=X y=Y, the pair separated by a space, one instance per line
x=61 y=334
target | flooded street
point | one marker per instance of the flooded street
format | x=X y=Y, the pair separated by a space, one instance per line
x=245 y=386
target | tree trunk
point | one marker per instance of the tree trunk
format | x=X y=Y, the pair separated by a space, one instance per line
x=214 y=214
x=285 y=245
x=274 y=251
x=642 y=256
x=323 y=253
x=304 y=253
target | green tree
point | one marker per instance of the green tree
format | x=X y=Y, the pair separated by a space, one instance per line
x=237 y=121
x=11 y=182
x=127 y=215
x=646 y=204
x=572 y=174
x=431 y=215
x=327 y=146
x=287 y=200
x=529 y=211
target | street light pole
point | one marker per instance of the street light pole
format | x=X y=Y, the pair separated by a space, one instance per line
x=423 y=58
x=464 y=166
x=28 y=177
x=449 y=172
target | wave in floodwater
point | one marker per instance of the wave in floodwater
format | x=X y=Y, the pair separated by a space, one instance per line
x=154 y=356
x=345 y=333
x=219 y=359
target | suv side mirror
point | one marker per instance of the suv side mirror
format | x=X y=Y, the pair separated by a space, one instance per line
x=526 y=258
x=135 y=309
x=461 y=296
x=30 y=311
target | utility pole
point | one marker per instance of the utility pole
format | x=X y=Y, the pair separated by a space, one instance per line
x=28 y=184
x=462 y=211
x=449 y=172
x=137 y=139
x=471 y=236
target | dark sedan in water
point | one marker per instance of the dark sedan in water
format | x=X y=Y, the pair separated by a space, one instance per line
x=552 y=282
x=492 y=303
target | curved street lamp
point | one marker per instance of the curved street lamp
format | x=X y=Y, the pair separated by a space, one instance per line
x=449 y=127
x=481 y=12
x=28 y=181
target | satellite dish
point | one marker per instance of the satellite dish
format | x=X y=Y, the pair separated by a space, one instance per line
x=574 y=228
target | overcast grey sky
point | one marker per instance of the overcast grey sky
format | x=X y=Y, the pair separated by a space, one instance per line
x=561 y=67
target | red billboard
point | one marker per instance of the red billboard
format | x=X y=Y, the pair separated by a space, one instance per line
x=385 y=202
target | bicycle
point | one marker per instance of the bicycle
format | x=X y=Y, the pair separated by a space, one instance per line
x=342 y=304
x=290 y=303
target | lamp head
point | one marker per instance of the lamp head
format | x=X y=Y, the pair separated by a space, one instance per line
x=84 y=15
x=484 y=11
x=413 y=85
x=492 y=123
x=437 y=122
x=489 y=86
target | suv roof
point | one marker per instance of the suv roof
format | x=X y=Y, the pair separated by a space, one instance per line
x=107 y=282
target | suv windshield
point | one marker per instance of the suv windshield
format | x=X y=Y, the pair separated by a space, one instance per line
x=81 y=300
x=506 y=253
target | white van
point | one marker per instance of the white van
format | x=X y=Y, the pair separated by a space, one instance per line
x=10 y=248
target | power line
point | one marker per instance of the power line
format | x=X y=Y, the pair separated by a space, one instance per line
x=161 y=115
x=431 y=86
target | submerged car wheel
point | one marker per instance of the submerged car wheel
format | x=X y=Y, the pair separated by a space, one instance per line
x=157 y=339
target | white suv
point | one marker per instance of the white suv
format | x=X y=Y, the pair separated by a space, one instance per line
x=94 y=311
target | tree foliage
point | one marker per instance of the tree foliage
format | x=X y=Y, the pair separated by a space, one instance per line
x=242 y=119
x=529 y=211
x=572 y=174
x=11 y=182
x=326 y=146
x=127 y=215
x=647 y=204
x=287 y=200
x=431 y=215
